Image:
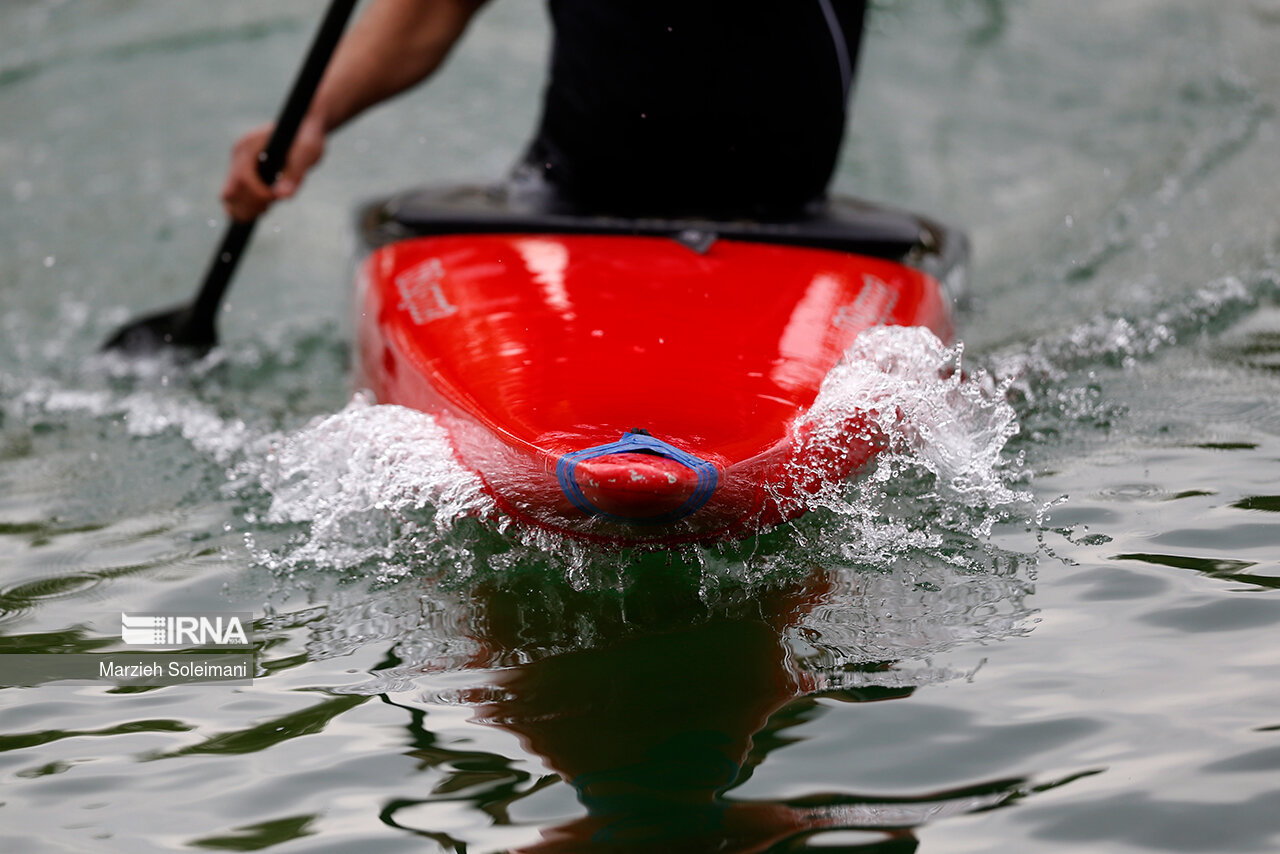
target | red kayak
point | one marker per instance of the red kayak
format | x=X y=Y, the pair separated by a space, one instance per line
x=636 y=380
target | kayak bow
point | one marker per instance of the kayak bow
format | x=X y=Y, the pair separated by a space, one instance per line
x=636 y=380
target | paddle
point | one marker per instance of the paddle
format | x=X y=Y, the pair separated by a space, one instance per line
x=192 y=326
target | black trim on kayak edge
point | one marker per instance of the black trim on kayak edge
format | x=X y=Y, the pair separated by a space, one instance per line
x=840 y=224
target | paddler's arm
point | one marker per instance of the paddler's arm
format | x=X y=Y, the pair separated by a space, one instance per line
x=395 y=45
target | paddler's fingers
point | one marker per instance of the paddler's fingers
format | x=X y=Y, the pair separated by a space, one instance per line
x=307 y=149
x=244 y=195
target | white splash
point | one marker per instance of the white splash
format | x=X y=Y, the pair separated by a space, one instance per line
x=370 y=483
x=199 y=424
x=941 y=427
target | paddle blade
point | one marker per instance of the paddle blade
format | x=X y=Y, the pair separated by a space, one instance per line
x=175 y=328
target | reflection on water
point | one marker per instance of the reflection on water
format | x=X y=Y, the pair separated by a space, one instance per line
x=656 y=701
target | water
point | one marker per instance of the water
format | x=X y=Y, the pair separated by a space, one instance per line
x=1054 y=639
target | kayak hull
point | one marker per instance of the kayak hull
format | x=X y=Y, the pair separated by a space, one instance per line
x=631 y=387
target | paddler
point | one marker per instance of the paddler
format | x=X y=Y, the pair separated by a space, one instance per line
x=652 y=107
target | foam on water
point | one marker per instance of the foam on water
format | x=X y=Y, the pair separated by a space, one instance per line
x=1056 y=384
x=1122 y=339
x=955 y=425
x=144 y=414
x=373 y=487
x=943 y=469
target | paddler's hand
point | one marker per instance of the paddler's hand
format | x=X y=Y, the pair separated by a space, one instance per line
x=244 y=195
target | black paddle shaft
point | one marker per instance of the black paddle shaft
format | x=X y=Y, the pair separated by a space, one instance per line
x=270 y=162
x=192 y=327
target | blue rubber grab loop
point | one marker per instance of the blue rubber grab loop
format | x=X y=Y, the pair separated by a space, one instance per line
x=708 y=477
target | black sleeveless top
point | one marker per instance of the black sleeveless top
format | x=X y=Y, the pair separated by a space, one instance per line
x=711 y=107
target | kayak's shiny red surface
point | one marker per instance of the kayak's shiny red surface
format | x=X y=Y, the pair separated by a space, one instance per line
x=628 y=388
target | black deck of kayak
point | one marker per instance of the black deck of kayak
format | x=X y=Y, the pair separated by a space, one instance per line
x=840 y=224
